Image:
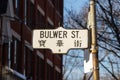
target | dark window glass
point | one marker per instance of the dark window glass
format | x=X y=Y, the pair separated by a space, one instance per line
x=17 y=7
x=15 y=54
x=40 y=68
x=28 y=63
x=3 y=6
x=49 y=72
x=57 y=74
x=30 y=20
x=40 y=20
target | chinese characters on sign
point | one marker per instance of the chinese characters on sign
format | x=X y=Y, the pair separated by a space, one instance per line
x=60 y=40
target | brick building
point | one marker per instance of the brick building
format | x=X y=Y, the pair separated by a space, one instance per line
x=18 y=60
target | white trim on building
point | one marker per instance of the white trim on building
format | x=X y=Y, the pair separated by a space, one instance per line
x=41 y=10
x=16 y=35
x=50 y=21
x=32 y=1
x=57 y=69
x=50 y=62
x=40 y=55
x=28 y=45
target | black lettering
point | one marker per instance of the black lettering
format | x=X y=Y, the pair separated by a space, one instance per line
x=77 y=34
x=60 y=34
x=55 y=33
x=77 y=43
x=51 y=35
x=73 y=34
x=41 y=34
x=42 y=43
x=65 y=34
x=59 y=43
x=47 y=34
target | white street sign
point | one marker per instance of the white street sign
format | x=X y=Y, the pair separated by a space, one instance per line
x=60 y=40
x=88 y=63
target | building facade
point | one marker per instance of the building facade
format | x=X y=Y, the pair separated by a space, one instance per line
x=18 y=60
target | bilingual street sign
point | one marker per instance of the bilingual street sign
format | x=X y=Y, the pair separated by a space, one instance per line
x=60 y=40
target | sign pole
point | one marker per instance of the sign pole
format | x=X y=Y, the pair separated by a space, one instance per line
x=94 y=47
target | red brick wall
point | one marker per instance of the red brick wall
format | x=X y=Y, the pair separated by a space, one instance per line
x=25 y=33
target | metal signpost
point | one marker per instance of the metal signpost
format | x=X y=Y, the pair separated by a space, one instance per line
x=91 y=63
x=94 y=47
x=60 y=40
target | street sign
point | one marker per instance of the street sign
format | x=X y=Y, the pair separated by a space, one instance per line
x=88 y=62
x=60 y=40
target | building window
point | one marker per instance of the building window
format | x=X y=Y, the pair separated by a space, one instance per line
x=3 y=6
x=57 y=75
x=40 y=68
x=15 y=54
x=30 y=18
x=5 y=54
x=49 y=72
x=28 y=63
x=17 y=7
x=58 y=5
x=40 y=20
